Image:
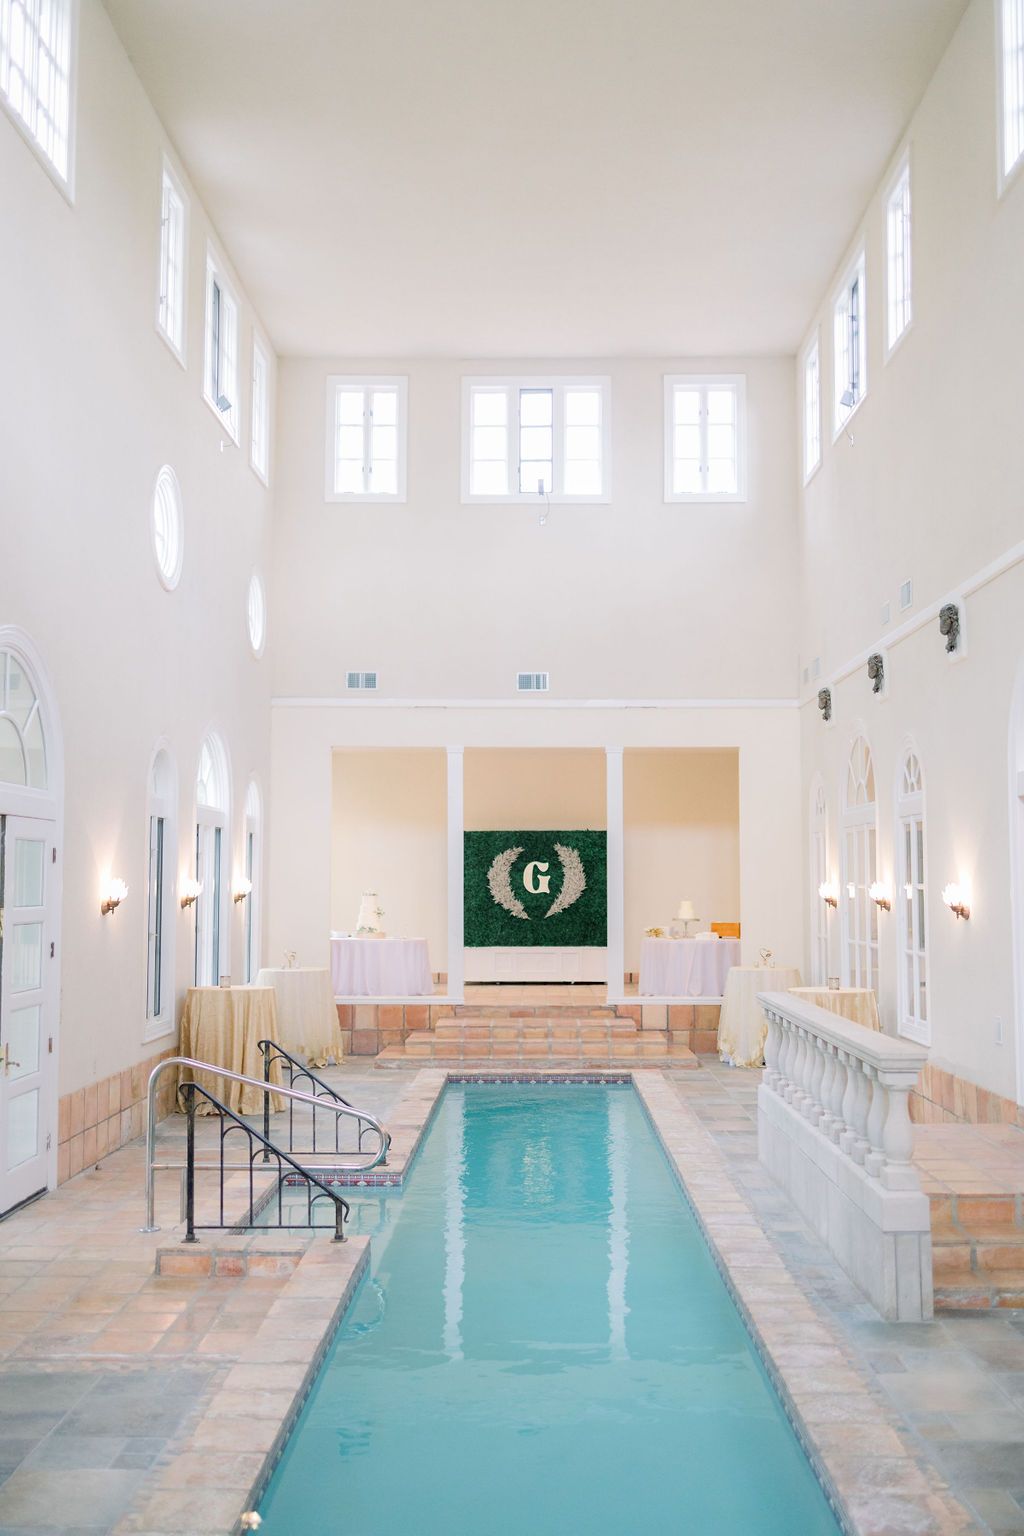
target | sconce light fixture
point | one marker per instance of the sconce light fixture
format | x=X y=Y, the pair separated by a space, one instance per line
x=881 y=895
x=955 y=897
x=949 y=625
x=828 y=890
x=876 y=672
x=243 y=888
x=825 y=703
x=191 y=890
x=113 y=895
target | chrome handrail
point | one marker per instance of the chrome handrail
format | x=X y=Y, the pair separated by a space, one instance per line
x=251 y=1082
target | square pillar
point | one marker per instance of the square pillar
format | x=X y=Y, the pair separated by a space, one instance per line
x=456 y=875
x=616 y=874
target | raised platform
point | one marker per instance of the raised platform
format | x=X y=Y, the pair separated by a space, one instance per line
x=561 y=1040
x=973 y=1176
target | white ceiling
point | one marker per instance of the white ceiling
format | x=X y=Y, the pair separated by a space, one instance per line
x=535 y=177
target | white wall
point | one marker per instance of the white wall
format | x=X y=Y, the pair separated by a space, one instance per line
x=92 y=403
x=931 y=489
x=682 y=839
x=305 y=737
x=540 y=791
x=634 y=599
x=389 y=836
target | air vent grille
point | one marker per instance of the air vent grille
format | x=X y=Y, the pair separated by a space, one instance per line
x=366 y=681
x=532 y=682
x=907 y=595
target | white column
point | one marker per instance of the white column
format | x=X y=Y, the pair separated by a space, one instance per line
x=456 y=931
x=616 y=872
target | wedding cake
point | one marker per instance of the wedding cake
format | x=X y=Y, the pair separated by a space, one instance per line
x=370 y=914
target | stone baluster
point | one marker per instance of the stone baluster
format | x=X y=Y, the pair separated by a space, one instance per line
x=898 y=1132
x=837 y=1125
x=803 y=1069
x=828 y=1089
x=785 y=1059
x=793 y=1065
x=861 y=1111
x=772 y=1043
x=814 y=1106
x=874 y=1160
x=848 y=1134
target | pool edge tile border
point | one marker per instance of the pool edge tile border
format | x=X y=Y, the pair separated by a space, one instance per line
x=772 y=1303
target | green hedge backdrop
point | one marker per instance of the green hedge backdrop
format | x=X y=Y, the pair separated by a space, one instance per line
x=488 y=923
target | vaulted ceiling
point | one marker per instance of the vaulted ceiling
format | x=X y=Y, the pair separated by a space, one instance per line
x=497 y=178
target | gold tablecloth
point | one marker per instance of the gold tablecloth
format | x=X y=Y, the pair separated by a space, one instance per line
x=742 y=1027
x=858 y=1004
x=224 y=1025
x=307 y=1016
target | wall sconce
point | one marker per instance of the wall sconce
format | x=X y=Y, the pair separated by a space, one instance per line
x=191 y=890
x=881 y=895
x=243 y=888
x=828 y=890
x=955 y=898
x=113 y=895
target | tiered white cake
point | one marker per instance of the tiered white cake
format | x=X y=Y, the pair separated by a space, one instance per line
x=370 y=914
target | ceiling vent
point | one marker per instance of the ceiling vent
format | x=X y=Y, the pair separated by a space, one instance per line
x=532 y=682
x=366 y=682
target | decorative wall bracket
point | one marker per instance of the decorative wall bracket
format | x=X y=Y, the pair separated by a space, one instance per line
x=876 y=672
x=825 y=703
x=949 y=625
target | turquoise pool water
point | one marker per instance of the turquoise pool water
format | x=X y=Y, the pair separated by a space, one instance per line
x=542 y=1348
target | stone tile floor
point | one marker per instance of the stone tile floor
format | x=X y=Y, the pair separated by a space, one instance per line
x=104 y=1366
x=970 y=1159
x=957 y=1383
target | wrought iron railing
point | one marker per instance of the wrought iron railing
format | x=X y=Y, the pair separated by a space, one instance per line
x=230 y=1124
x=298 y=1072
x=190 y=1063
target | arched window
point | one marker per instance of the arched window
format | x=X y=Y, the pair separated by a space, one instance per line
x=212 y=812
x=256 y=615
x=22 y=746
x=913 y=979
x=819 y=875
x=161 y=876
x=860 y=869
x=253 y=863
x=168 y=528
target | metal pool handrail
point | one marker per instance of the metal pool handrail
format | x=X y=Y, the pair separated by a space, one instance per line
x=251 y=1082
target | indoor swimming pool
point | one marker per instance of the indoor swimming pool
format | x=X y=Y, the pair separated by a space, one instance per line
x=542 y=1344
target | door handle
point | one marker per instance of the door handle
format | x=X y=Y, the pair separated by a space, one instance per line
x=6 y=1058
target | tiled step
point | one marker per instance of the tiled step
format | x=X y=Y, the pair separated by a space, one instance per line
x=977 y=1252
x=535 y=1042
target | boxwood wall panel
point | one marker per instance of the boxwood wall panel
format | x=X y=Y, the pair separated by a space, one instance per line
x=536 y=888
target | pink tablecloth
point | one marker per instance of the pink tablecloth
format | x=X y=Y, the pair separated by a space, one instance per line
x=380 y=968
x=686 y=967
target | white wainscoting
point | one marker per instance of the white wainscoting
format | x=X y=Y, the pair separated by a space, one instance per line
x=537 y=963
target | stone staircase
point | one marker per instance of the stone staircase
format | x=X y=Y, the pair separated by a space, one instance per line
x=558 y=1039
x=977 y=1251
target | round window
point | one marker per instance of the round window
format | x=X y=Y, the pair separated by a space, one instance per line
x=256 y=612
x=168 y=527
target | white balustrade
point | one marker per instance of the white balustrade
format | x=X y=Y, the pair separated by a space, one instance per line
x=852 y=1083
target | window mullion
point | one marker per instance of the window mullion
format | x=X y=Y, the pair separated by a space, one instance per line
x=514 y=439
x=367 y=440
x=557 y=441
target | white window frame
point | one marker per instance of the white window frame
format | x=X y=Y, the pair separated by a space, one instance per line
x=252 y=864
x=171 y=188
x=737 y=382
x=212 y=864
x=841 y=304
x=161 y=804
x=216 y=276
x=512 y=386
x=367 y=383
x=859 y=847
x=811 y=408
x=259 y=411
x=819 y=875
x=64 y=180
x=912 y=910
x=1009 y=93
x=899 y=259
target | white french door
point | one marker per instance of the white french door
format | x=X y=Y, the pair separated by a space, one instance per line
x=28 y=998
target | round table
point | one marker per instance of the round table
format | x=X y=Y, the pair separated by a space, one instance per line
x=380 y=968
x=224 y=1025
x=686 y=967
x=858 y=1004
x=307 y=1016
x=742 y=1027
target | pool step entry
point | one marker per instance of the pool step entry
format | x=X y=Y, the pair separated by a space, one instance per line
x=978 y=1251
x=531 y=1040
